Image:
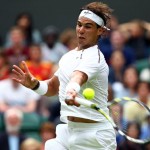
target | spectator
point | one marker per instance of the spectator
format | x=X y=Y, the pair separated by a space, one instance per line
x=133 y=130
x=117 y=66
x=42 y=70
x=17 y=51
x=52 y=50
x=68 y=38
x=117 y=42
x=12 y=138
x=13 y=94
x=114 y=23
x=129 y=84
x=138 y=113
x=31 y=144
x=24 y=21
x=136 y=38
x=47 y=131
x=4 y=66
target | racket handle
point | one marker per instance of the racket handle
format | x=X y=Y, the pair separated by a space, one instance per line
x=84 y=102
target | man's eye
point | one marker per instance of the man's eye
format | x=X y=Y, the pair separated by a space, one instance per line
x=79 y=25
x=87 y=27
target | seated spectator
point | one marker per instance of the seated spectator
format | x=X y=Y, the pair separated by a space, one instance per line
x=47 y=131
x=12 y=138
x=138 y=113
x=116 y=68
x=31 y=144
x=136 y=37
x=133 y=130
x=13 y=94
x=25 y=22
x=17 y=51
x=68 y=38
x=129 y=84
x=117 y=42
x=114 y=22
x=4 y=66
x=42 y=70
x=52 y=49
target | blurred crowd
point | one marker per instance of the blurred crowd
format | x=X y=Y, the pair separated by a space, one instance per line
x=126 y=48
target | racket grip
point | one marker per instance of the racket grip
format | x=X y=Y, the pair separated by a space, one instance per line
x=84 y=102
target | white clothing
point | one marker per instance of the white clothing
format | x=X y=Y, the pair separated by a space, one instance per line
x=53 y=54
x=120 y=91
x=16 y=96
x=83 y=136
x=88 y=62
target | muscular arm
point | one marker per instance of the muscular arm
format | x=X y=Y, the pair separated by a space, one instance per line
x=53 y=86
x=79 y=77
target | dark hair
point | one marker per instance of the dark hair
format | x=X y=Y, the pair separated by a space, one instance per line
x=47 y=127
x=100 y=9
x=34 y=45
x=4 y=56
x=28 y=30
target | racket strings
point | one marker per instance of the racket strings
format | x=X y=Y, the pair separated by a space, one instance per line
x=134 y=111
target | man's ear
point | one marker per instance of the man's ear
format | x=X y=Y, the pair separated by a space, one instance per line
x=101 y=31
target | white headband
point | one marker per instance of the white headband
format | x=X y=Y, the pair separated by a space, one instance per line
x=89 y=14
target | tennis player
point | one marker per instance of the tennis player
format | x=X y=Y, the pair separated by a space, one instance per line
x=85 y=66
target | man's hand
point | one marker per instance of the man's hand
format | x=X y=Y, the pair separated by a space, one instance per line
x=24 y=77
x=70 y=98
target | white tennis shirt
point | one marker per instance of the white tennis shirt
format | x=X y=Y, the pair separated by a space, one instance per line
x=92 y=62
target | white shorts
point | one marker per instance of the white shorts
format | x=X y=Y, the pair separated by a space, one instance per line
x=83 y=136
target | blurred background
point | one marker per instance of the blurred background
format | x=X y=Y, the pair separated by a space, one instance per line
x=54 y=12
x=40 y=32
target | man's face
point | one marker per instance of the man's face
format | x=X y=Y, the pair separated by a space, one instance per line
x=17 y=37
x=13 y=124
x=87 y=32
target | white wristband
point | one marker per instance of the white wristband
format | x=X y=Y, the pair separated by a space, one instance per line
x=73 y=85
x=42 y=89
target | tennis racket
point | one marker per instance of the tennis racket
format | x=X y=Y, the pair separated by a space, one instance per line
x=114 y=123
